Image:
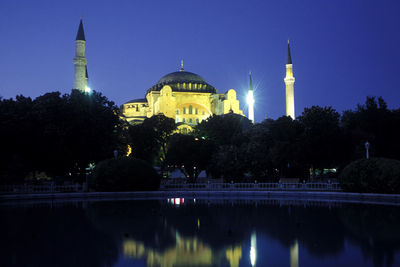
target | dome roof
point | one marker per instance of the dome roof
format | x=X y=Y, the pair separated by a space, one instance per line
x=183 y=81
x=181 y=77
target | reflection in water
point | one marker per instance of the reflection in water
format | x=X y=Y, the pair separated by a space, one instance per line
x=253 y=249
x=176 y=201
x=221 y=232
x=234 y=254
x=186 y=252
x=294 y=254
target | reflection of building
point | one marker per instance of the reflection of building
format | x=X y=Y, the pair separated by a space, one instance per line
x=187 y=252
x=294 y=254
x=184 y=96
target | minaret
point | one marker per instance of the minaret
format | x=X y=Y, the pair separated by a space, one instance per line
x=250 y=99
x=80 y=62
x=289 y=81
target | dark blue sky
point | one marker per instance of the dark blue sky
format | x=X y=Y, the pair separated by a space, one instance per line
x=342 y=50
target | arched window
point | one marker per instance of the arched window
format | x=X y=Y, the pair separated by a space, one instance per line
x=184 y=110
x=196 y=111
x=197 y=121
x=190 y=109
x=190 y=120
x=183 y=120
x=177 y=112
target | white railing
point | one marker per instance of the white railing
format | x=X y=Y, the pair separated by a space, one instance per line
x=47 y=188
x=253 y=186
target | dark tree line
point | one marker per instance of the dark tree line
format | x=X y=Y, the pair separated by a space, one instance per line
x=60 y=135
x=319 y=143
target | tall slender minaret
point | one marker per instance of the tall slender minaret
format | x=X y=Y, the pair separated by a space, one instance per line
x=80 y=62
x=289 y=81
x=250 y=99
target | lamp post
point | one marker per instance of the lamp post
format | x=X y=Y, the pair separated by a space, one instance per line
x=367 y=149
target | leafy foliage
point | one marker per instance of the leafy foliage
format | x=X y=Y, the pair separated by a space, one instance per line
x=377 y=175
x=57 y=134
x=149 y=139
x=191 y=155
x=124 y=174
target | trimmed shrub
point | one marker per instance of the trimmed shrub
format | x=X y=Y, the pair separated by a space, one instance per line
x=376 y=175
x=124 y=174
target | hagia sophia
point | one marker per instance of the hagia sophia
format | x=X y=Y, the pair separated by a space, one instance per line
x=181 y=95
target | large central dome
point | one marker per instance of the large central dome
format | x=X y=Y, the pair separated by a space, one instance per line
x=182 y=76
x=184 y=81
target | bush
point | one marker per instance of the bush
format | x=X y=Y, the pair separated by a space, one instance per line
x=376 y=175
x=124 y=174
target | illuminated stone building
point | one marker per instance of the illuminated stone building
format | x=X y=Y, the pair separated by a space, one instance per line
x=184 y=96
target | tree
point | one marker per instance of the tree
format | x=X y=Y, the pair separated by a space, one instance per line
x=59 y=134
x=223 y=129
x=226 y=134
x=274 y=149
x=149 y=139
x=17 y=146
x=375 y=123
x=190 y=154
x=322 y=138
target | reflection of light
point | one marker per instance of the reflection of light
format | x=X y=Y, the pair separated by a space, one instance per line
x=194 y=200
x=294 y=254
x=234 y=255
x=198 y=223
x=253 y=249
x=177 y=201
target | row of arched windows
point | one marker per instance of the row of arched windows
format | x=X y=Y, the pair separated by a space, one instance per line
x=189 y=110
x=190 y=86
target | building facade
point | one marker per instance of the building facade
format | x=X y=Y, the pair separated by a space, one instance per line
x=184 y=96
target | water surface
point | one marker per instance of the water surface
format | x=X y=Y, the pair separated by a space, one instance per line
x=199 y=232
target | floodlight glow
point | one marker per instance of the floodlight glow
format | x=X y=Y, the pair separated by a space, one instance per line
x=87 y=90
x=250 y=104
x=250 y=98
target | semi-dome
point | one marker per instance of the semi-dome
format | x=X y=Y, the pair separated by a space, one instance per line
x=184 y=81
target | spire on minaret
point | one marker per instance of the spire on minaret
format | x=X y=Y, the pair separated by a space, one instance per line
x=289 y=58
x=250 y=82
x=181 y=69
x=80 y=61
x=81 y=34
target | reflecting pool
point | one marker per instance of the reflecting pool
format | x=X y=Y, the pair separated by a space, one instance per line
x=199 y=232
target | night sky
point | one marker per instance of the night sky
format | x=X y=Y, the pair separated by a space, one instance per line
x=342 y=50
